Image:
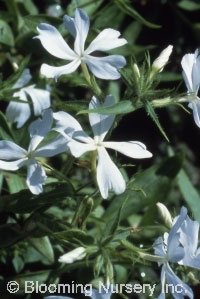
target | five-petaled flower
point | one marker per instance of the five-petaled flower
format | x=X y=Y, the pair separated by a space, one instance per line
x=14 y=157
x=102 y=67
x=108 y=175
x=191 y=74
x=20 y=112
x=170 y=250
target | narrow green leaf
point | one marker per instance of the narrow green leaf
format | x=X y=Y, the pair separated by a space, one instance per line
x=127 y=9
x=122 y=107
x=15 y=183
x=75 y=236
x=5 y=131
x=190 y=194
x=72 y=105
x=189 y=5
x=25 y=202
x=6 y=35
x=43 y=245
x=150 y=110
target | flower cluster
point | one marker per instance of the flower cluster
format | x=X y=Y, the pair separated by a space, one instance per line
x=178 y=246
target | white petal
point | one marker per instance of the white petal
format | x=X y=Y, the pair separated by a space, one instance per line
x=55 y=147
x=162 y=294
x=40 y=98
x=23 y=80
x=12 y=165
x=108 y=175
x=39 y=128
x=68 y=126
x=175 y=252
x=106 y=67
x=35 y=176
x=18 y=112
x=73 y=255
x=133 y=149
x=11 y=151
x=106 y=40
x=53 y=42
x=179 y=286
x=82 y=24
x=159 y=248
x=78 y=149
x=69 y=25
x=195 y=106
x=101 y=123
x=191 y=73
x=56 y=71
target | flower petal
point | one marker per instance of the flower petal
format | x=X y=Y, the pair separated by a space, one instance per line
x=82 y=24
x=70 y=257
x=23 y=80
x=35 y=176
x=11 y=151
x=18 y=112
x=78 y=149
x=174 y=251
x=56 y=71
x=195 y=106
x=101 y=123
x=159 y=248
x=40 y=98
x=133 y=149
x=108 y=175
x=69 y=25
x=106 y=40
x=68 y=126
x=106 y=67
x=53 y=42
x=179 y=289
x=55 y=147
x=191 y=74
x=12 y=165
x=39 y=128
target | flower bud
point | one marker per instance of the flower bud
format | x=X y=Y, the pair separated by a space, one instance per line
x=162 y=60
x=165 y=214
x=136 y=70
x=72 y=256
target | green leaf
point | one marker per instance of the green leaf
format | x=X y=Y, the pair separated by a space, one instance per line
x=43 y=245
x=25 y=202
x=5 y=131
x=6 y=35
x=72 y=105
x=146 y=189
x=75 y=236
x=15 y=183
x=127 y=9
x=33 y=21
x=10 y=234
x=150 y=110
x=122 y=107
x=190 y=194
x=189 y=5
x=30 y=7
x=89 y=6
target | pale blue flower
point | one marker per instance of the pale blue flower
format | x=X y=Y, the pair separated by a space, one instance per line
x=189 y=233
x=169 y=248
x=191 y=74
x=108 y=175
x=14 y=157
x=102 y=67
x=21 y=112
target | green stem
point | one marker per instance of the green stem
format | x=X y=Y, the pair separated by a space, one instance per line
x=93 y=165
x=86 y=73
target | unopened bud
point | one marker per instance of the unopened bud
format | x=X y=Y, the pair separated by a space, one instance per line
x=136 y=70
x=162 y=60
x=72 y=256
x=165 y=214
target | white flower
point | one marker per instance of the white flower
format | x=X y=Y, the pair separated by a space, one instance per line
x=102 y=67
x=72 y=256
x=189 y=232
x=170 y=250
x=19 y=112
x=165 y=214
x=191 y=74
x=108 y=175
x=160 y=62
x=14 y=157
